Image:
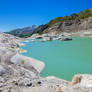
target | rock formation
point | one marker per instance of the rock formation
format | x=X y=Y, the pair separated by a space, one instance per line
x=19 y=73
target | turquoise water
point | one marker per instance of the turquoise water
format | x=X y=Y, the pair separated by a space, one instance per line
x=63 y=59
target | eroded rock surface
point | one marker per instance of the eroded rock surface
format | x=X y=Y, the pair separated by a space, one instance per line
x=19 y=73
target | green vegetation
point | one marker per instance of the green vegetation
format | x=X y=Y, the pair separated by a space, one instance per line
x=82 y=15
x=41 y=28
x=54 y=21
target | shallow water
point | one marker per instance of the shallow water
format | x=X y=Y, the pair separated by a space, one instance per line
x=63 y=59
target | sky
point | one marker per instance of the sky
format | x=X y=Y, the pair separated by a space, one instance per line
x=22 y=13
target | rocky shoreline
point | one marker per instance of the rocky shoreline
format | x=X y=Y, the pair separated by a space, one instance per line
x=19 y=73
x=60 y=36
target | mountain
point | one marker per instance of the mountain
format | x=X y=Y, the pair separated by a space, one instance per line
x=73 y=23
x=23 y=32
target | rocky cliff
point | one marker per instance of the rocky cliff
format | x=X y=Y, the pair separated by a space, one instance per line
x=71 y=24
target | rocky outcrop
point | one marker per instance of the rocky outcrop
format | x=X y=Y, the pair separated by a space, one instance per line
x=70 y=26
x=81 y=83
x=49 y=84
x=16 y=70
x=28 y=62
x=10 y=42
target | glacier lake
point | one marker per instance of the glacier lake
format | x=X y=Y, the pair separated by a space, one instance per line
x=63 y=59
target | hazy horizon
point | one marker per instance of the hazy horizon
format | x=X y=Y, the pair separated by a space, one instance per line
x=22 y=13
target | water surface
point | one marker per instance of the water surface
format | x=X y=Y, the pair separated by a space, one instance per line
x=63 y=59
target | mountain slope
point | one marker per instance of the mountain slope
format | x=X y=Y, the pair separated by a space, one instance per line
x=73 y=23
x=24 y=32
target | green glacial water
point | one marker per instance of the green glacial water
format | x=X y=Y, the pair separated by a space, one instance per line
x=63 y=59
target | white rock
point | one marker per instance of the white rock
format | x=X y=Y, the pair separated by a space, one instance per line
x=20 y=60
x=2 y=70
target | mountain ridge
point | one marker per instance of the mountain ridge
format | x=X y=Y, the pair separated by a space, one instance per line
x=23 y=32
x=73 y=23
